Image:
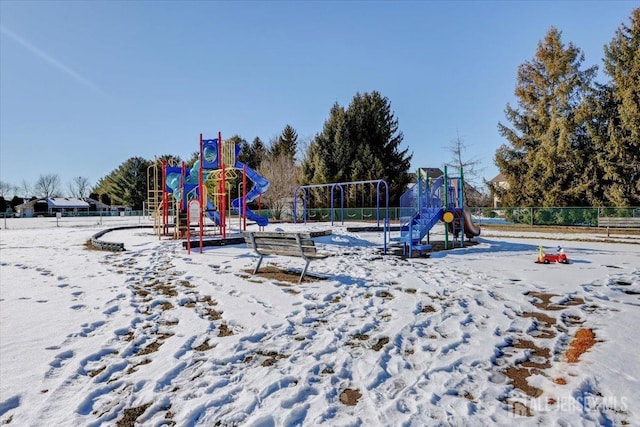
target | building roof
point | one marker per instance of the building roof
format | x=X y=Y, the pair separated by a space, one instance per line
x=67 y=203
x=499 y=178
x=431 y=172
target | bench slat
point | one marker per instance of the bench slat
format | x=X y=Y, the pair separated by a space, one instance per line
x=283 y=244
x=628 y=222
x=276 y=234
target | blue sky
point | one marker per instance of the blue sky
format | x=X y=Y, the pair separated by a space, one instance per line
x=84 y=86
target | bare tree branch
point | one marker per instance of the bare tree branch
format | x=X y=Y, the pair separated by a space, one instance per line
x=79 y=187
x=283 y=176
x=48 y=185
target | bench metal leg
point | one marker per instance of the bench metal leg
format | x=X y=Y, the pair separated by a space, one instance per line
x=304 y=271
x=258 y=265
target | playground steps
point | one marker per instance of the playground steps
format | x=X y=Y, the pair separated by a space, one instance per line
x=421 y=223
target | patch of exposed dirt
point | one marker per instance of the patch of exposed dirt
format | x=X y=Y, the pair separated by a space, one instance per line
x=130 y=415
x=380 y=343
x=274 y=273
x=134 y=368
x=583 y=340
x=224 y=331
x=204 y=346
x=211 y=314
x=540 y=317
x=350 y=396
x=167 y=290
x=535 y=351
x=166 y=305
x=271 y=357
x=97 y=371
x=151 y=348
x=384 y=294
x=546 y=304
x=519 y=377
x=537 y=360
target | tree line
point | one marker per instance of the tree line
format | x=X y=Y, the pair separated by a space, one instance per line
x=572 y=141
x=569 y=141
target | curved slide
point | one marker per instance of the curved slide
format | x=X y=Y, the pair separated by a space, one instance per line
x=260 y=186
x=470 y=228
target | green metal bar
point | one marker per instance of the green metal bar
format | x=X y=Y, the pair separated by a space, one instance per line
x=461 y=204
x=445 y=185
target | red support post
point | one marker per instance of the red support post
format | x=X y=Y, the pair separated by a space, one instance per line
x=244 y=198
x=201 y=193
x=223 y=192
x=165 y=201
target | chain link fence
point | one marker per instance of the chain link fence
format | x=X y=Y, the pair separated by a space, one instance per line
x=554 y=216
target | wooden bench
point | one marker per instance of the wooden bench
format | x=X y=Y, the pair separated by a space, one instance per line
x=619 y=222
x=283 y=244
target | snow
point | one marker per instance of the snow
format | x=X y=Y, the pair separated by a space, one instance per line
x=197 y=339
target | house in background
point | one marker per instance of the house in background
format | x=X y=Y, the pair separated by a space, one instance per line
x=98 y=206
x=498 y=182
x=66 y=205
x=32 y=208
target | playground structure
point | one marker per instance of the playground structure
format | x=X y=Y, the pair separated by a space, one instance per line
x=427 y=203
x=339 y=186
x=181 y=197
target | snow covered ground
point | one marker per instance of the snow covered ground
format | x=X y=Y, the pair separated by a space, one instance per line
x=157 y=337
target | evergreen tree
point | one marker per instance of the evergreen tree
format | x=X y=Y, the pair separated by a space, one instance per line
x=246 y=155
x=360 y=143
x=259 y=151
x=548 y=147
x=621 y=159
x=126 y=185
x=329 y=155
x=598 y=110
x=286 y=144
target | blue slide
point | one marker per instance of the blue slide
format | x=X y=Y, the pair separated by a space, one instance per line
x=260 y=186
x=212 y=212
x=190 y=183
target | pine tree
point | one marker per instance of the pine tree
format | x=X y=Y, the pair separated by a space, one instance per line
x=598 y=110
x=259 y=152
x=286 y=144
x=621 y=159
x=126 y=185
x=357 y=144
x=374 y=126
x=548 y=146
x=325 y=160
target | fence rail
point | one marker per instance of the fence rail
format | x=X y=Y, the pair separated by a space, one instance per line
x=554 y=216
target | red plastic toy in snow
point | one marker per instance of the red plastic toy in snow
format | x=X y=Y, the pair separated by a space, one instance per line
x=560 y=257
